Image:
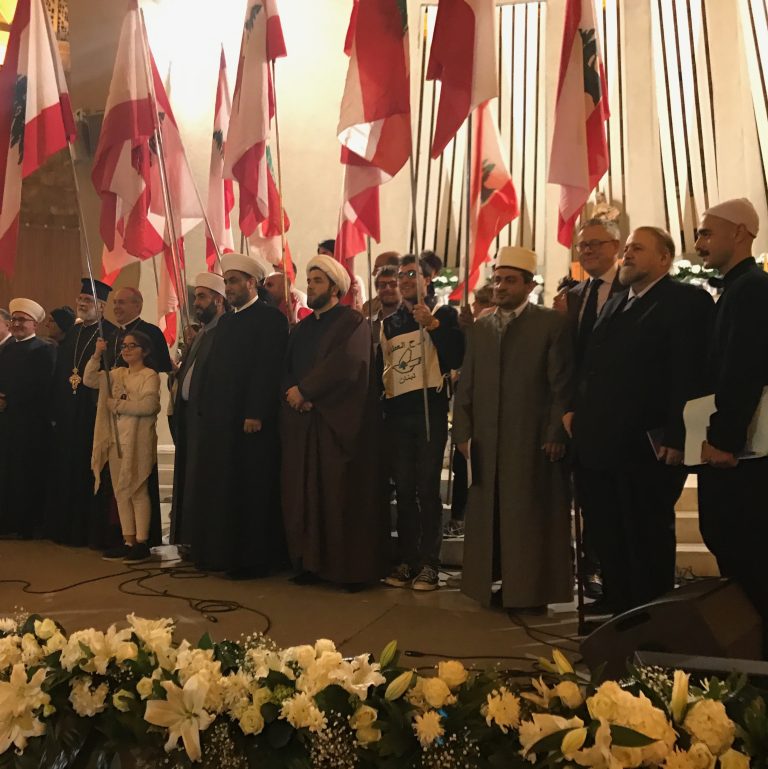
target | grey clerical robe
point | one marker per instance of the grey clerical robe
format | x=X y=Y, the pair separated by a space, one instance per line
x=513 y=391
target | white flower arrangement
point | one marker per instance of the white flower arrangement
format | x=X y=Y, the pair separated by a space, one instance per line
x=133 y=697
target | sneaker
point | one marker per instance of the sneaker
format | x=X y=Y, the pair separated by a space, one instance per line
x=453 y=529
x=426 y=579
x=116 y=553
x=400 y=577
x=138 y=553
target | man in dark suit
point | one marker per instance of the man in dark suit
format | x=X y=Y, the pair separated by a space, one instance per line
x=6 y=338
x=26 y=373
x=598 y=243
x=127 y=304
x=209 y=306
x=733 y=494
x=645 y=359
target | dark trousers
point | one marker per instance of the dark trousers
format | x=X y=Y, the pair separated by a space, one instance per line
x=416 y=468
x=460 y=486
x=733 y=518
x=632 y=521
x=590 y=561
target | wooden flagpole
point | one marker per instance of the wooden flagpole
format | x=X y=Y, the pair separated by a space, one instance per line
x=468 y=236
x=370 y=283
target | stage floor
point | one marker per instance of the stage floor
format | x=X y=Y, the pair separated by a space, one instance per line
x=80 y=590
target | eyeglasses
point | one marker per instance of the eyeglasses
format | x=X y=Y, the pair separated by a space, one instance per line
x=407 y=274
x=21 y=319
x=386 y=284
x=591 y=245
x=129 y=346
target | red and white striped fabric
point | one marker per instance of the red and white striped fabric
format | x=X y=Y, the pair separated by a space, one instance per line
x=463 y=59
x=35 y=114
x=579 y=156
x=253 y=107
x=493 y=200
x=375 y=119
x=221 y=195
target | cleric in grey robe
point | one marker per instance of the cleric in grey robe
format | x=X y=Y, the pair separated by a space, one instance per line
x=513 y=392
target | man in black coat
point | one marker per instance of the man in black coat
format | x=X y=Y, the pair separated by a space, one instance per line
x=6 y=338
x=74 y=515
x=645 y=359
x=236 y=519
x=733 y=494
x=598 y=243
x=26 y=371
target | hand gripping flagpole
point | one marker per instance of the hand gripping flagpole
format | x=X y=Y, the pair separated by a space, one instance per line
x=288 y=308
x=170 y=223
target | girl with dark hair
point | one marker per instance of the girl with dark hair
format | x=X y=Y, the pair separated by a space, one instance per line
x=129 y=414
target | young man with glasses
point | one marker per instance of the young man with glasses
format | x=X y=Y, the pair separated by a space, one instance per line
x=417 y=462
x=26 y=371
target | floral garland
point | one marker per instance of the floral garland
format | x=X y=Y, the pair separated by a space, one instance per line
x=134 y=698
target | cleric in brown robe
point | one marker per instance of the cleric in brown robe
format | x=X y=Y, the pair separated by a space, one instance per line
x=334 y=503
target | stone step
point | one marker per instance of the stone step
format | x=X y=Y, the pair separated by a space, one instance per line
x=696 y=560
x=687 y=528
x=689 y=499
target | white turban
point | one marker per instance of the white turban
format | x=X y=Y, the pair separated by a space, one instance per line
x=333 y=269
x=737 y=211
x=254 y=266
x=211 y=281
x=517 y=257
x=28 y=307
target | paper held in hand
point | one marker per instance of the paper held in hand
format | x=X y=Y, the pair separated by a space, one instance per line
x=697 y=414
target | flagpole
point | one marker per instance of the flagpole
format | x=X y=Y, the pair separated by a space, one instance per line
x=170 y=223
x=280 y=195
x=465 y=298
x=370 y=283
x=89 y=264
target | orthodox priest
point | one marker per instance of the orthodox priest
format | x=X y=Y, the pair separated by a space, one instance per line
x=74 y=515
x=26 y=372
x=236 y=523
x=334 y=502
x=513 y=393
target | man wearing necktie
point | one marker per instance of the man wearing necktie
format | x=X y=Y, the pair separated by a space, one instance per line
x=209 y=306
x=598 y=243
x=644 y=360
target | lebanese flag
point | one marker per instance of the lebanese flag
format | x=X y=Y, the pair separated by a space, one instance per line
x=221 y=195
x=579 y=156
x=375 y=120
x=463 y=59
x=253 y=107
x=35 y=113
x=493 y=200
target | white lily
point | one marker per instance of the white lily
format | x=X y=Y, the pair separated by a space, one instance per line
x=19 y=699
x=182 y=714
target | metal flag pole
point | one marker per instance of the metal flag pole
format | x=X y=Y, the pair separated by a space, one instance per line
x=89 y=264
x=280 y=195
x=419 y=292
x=468 y=236
x=170 y=223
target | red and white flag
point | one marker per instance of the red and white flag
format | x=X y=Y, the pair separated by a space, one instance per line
x=375 y=119
x=221 y=195
x=253 y=107
x=493 y=200
x=463 y=59
x=579 y=156
x=35 y=113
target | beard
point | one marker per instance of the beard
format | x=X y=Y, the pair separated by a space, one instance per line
x=206 y=314
x=319 y=301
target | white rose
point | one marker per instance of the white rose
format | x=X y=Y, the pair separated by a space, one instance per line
x=368 y=735
x=324 y=645
x=31 y=652
x=120 y=700
x=55 y=643
x=363 y=717
x=45 y=629
x=436 y=693
x=251 y=721
x=569 y=694
x=732 y=759
x=10 y=651
x=8 y=625
x=144 y=687
x=303 y=655
x=453 y=673
x=707 y=722
x=88 y=702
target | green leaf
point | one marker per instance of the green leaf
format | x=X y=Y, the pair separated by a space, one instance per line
x=624 y=737
x=549 y=743
x=206 y=642
x=279 y=733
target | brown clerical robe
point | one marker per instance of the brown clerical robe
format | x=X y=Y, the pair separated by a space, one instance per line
x=334 y=495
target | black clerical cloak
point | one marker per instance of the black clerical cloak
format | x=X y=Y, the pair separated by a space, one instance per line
x=335 y=504
x=26 y=371
x=74 y=515
x=235 y=522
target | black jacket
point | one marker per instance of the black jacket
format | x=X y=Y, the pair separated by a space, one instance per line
x=641 y=367
x=738 y=354
x=161 y=358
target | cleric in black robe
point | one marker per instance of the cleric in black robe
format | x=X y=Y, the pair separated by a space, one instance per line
x=74 y=515
x=236 y=524
x=335 y=503
x=26 y=371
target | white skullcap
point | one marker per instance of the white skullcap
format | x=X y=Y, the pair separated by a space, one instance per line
x=333 y=269
x=254 y=266
x=737 y=211
x=211 y=281
x=28 y=307
x=517 y=257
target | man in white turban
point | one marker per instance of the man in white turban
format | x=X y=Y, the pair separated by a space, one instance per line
x=733 y=494
x=209 y=306
x=235 y=521
x=26 y=376
x=334 y=503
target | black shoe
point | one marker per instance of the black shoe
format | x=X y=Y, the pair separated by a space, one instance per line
x=117 y=553
x=593 y=586
x=138 y=553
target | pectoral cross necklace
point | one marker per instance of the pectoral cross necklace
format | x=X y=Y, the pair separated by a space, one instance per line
x=75 y=380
